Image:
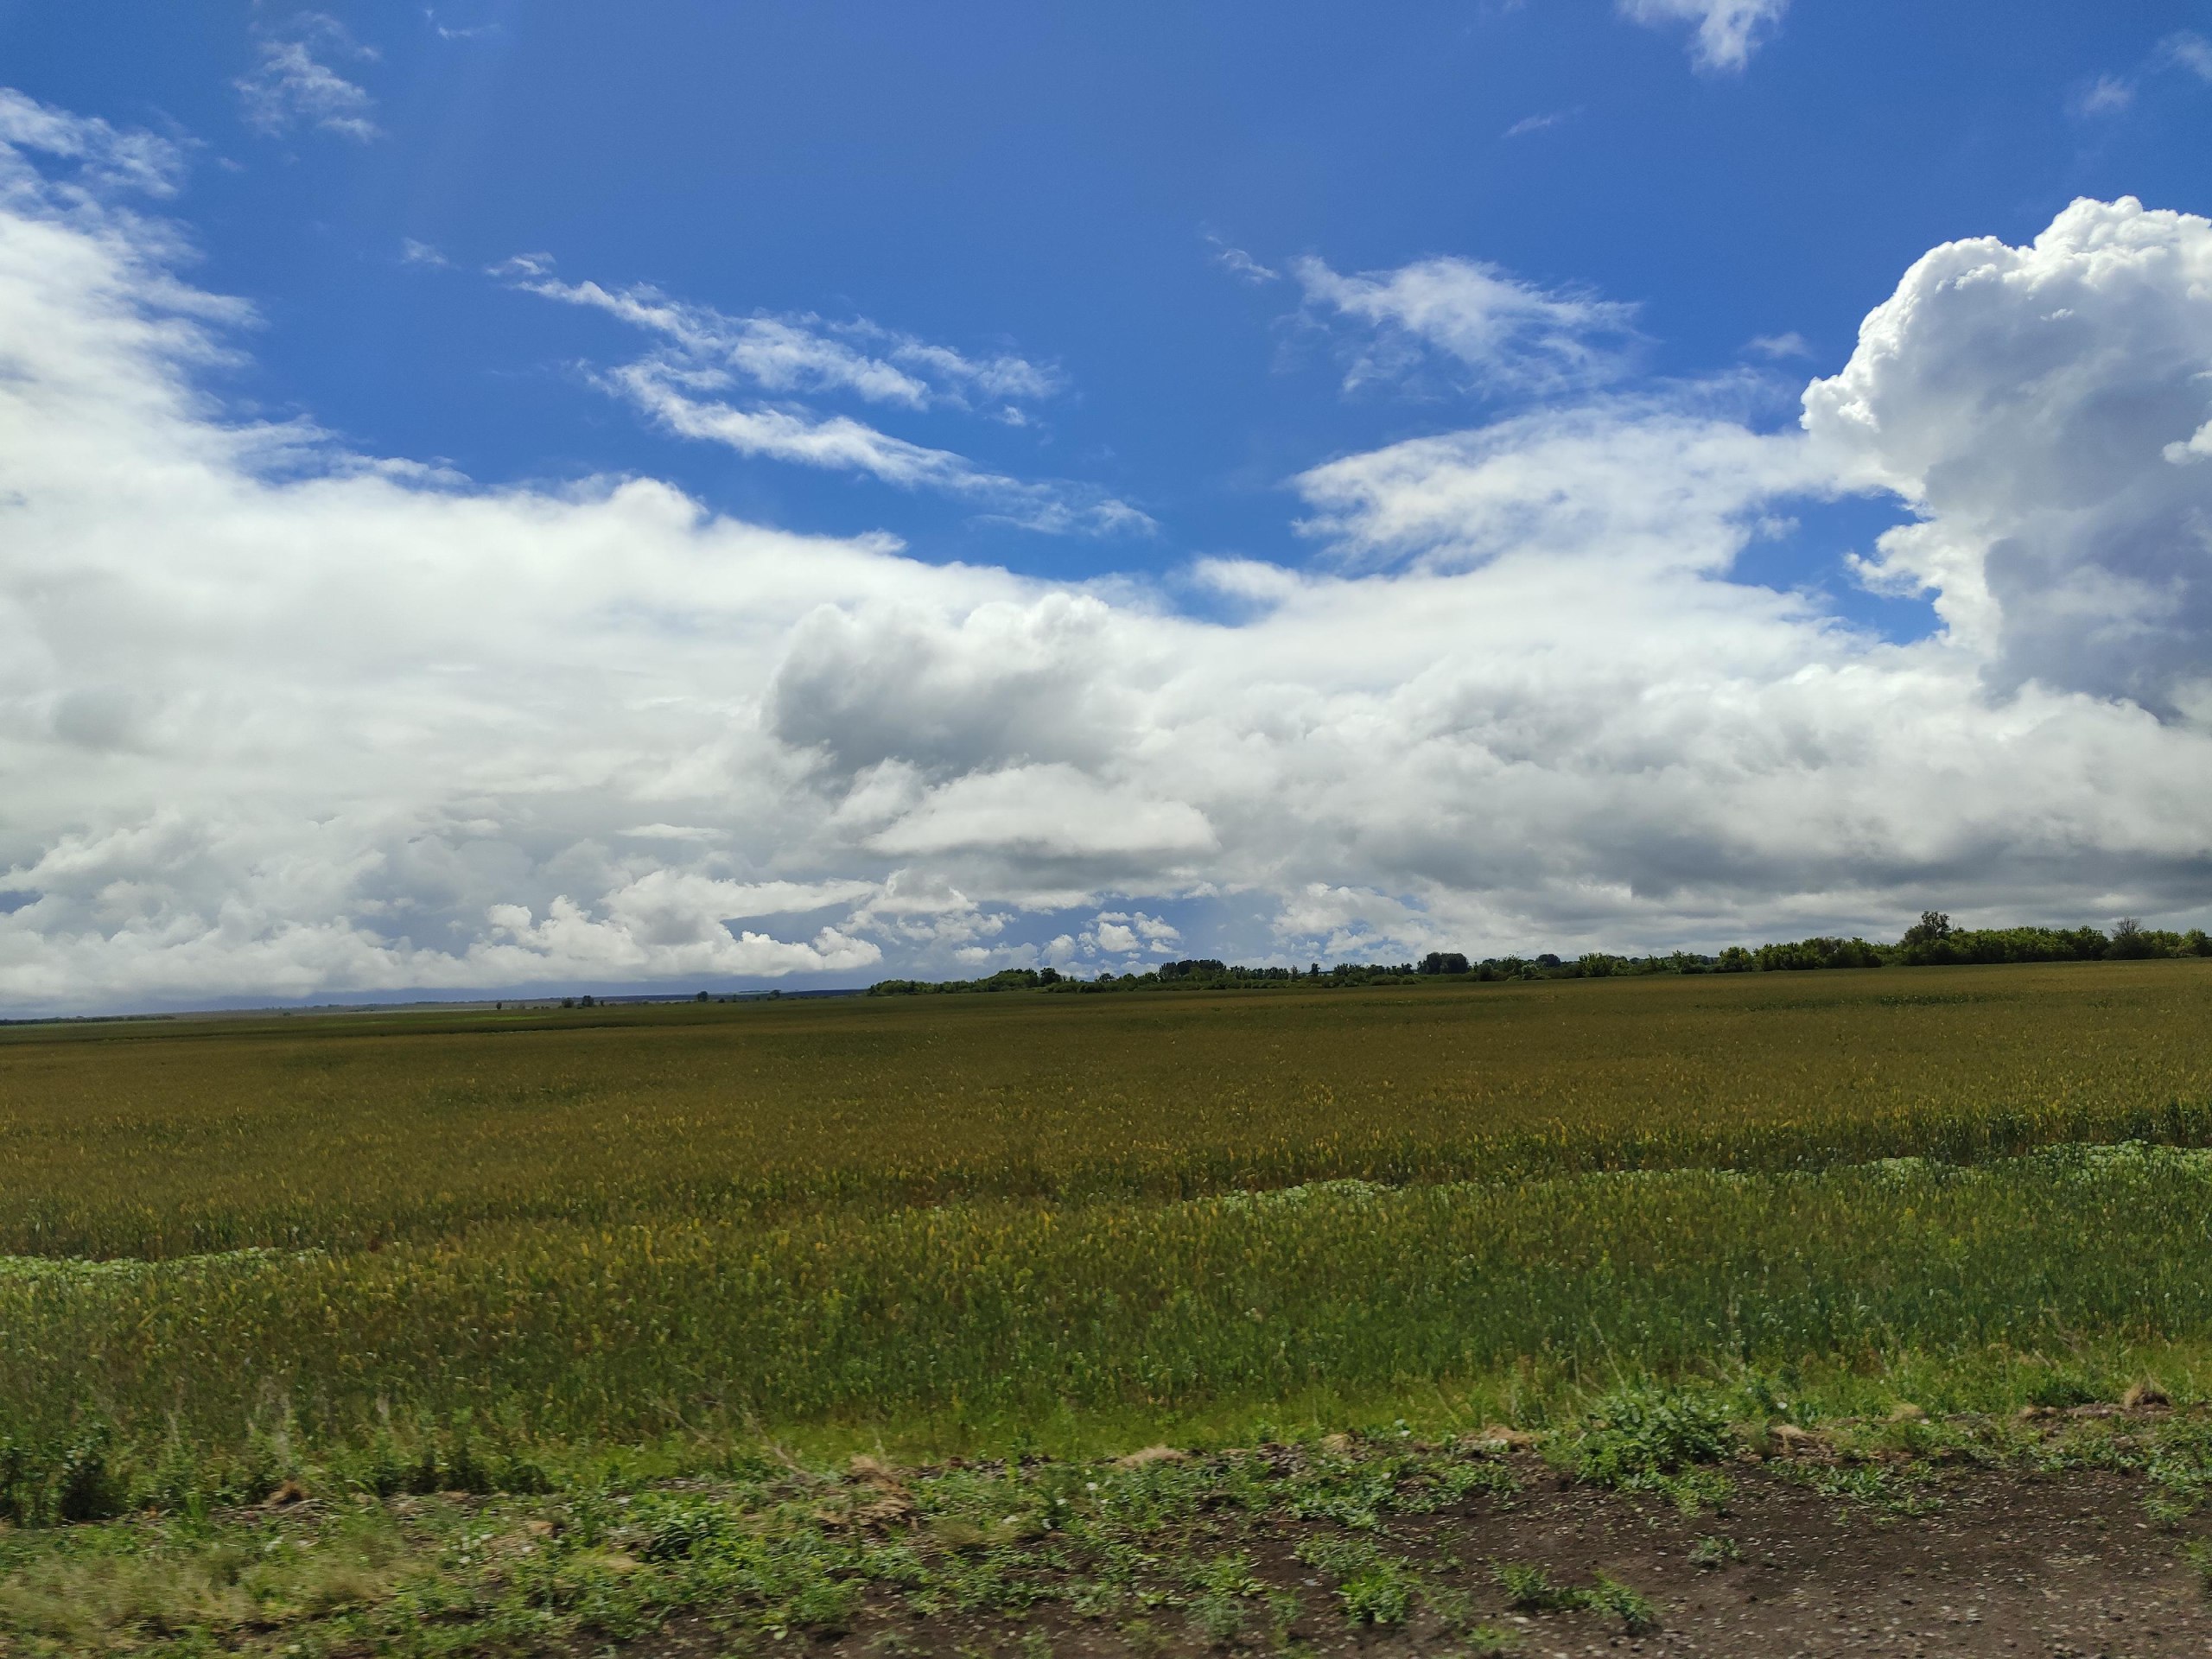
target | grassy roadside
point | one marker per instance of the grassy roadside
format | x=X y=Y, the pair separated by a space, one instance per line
x=1258 y=1545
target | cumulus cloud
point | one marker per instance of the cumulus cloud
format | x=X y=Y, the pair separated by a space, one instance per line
x=704 y=353
x=2043 y=409
x=280 y=719
x=1726 y=33
x=1116 y=933
x=1505 y=335
x=289 y=87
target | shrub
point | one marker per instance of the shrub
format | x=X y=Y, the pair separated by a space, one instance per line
x=1640 y=1436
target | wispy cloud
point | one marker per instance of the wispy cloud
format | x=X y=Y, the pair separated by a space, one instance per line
x=412 y=252
x=451 y=32
x=1513 y=335
x=1529 y=124
x=800 y=352
x=705 y=355
x=136 y=160
x=2105 y=95
x=1779 y=346
x=1727 y=31
x=291 y=88
x=1241 y=264
x=2188 y=51
x=2110 y=94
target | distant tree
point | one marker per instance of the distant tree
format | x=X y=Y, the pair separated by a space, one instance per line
x=1818 y=953
x=2130 y=942
x=1443 y=962
x=1930 y=940
x=1049 y=976
x=1198 y=968
x=1933 y=926
x=702 y=997
x=1735 y=960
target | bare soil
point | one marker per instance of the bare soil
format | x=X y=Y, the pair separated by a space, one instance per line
x=2007 y=1564
x=1999 y=1562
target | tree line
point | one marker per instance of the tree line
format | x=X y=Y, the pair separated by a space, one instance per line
x=1931 y=942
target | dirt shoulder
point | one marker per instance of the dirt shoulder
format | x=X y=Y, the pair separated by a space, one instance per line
x=1999 y=1563
x=1983 y=1562
x=1660 y=1528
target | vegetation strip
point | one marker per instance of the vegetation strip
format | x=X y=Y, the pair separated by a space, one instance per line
x=1269 y=1546
x=1930 y=942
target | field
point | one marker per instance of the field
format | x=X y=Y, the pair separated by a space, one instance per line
x=485 y=1251
x=616 y=1222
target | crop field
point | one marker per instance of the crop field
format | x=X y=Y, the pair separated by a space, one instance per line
x=536 y=1266
x=973 y=1215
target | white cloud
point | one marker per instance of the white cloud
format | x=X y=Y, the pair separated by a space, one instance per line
x=1117 y=934
x=290 y=86
x=1657 y=486
x=455 y=31
x=1779 y=347
x=1528 y=123
x=336 y=725
x=1345 y=922
x=2192 y=52
x=2105 y=95
x=137 y=161
x=634 y=939
x=2198 y=448
x=1512 y=336
x=1057 y=821
x=1241 y=264
x=922 y=907
x=800 y=353
x=1115 y=938
x=704 y=353
x=1727 y=31
x=2028 y=401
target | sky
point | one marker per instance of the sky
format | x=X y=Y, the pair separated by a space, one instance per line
x=511 y=500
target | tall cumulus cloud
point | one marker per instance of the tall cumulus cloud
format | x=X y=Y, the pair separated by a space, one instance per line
x=280 y=719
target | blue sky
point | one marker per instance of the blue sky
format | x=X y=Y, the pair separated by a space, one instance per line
x=1061 y=183
x=1160 y=325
